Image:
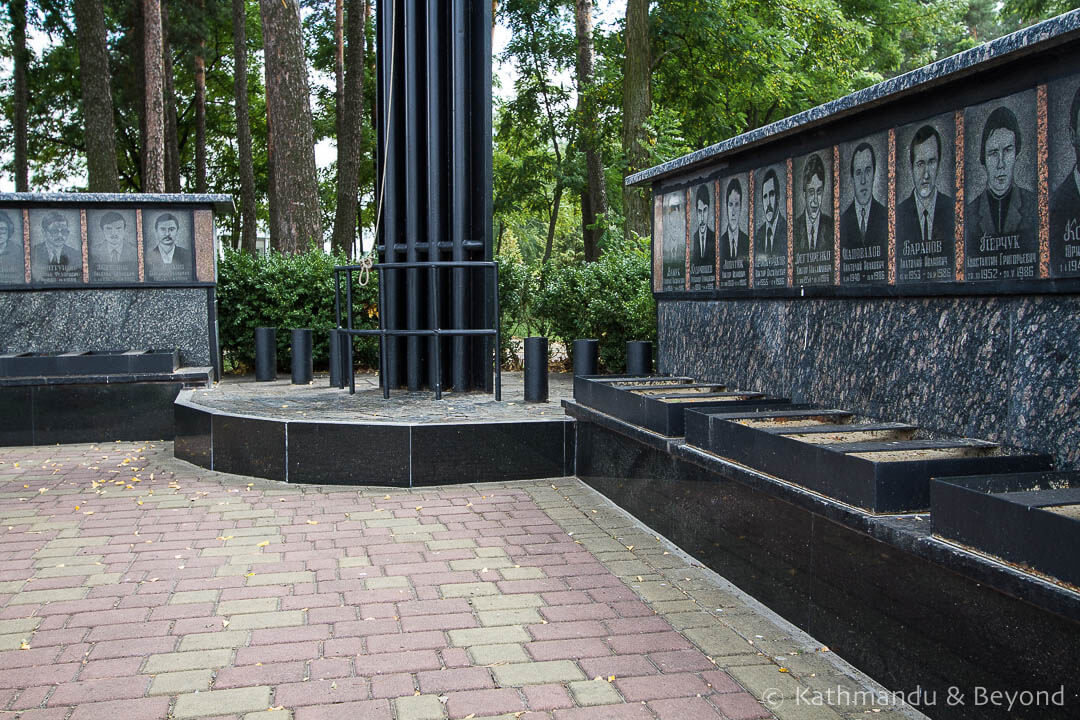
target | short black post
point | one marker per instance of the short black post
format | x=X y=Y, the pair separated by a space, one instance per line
x=301 y=356
x=586 y=355
x=638 y=357
x=337 y=358
x=265 y=354
x=536 y=369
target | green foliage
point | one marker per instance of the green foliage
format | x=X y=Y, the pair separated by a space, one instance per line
x=285 y=292
x=609 y=300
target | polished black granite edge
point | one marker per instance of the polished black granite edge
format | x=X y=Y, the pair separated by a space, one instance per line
x=1051 y=32
x=221 y=203
x=188 y=376
x=910 y=533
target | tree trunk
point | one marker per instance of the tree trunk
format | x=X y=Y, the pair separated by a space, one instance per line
x=350 y=117
x=154 y=152
x=172 y=141
x=339 y=66
x=296 y=222
x=17 y=9
x=556 y=201
x=97 y=104
x=200 y=103
x=248 y=230
x=597 y=206
x=637 y=106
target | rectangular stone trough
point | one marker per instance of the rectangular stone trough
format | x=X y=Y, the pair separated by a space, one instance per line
x=1026 y=519
x=882 y=467
x=101 y=362
x=659 y=403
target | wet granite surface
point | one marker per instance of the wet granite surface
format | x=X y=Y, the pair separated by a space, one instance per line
x=1010 y=47
x=1005 y=369
x=279 y=399
x=108 y=319
x=221 y=203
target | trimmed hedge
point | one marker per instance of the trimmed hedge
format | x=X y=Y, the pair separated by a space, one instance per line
x=285 y=292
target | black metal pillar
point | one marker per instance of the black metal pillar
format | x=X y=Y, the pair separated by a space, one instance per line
x=434 y=171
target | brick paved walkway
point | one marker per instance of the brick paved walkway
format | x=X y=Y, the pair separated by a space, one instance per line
x=133 y=585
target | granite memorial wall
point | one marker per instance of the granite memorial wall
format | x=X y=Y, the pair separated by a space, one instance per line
x=86 y=272
x=911 y=250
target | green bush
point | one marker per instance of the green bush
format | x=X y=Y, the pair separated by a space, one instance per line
x=285 y=292
x=609 y=300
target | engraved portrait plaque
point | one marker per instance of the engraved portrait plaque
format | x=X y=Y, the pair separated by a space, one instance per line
x=168 y=241
x=864 y=220
x=1001 y=226
x=735 y=238
x=813 y=225
x=925 y=200
x=55 y=246
x=703 y=236
x=114 y=251
x=1063 y=109
x=12 y=253
x=770 y=235
x=674 y=240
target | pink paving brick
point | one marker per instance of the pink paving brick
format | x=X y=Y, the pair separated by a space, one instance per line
x=453 y=621
x=129 y=648
x=67 y=607
x=569 y=613
x=634 y=626
x=31 y=697
x=631 y=608
x=265 y=674
x=391 y=686
x=531 y=586
x=141 y=709
x=650 y=642
x=367 y=710
x=567 y=649
x=330 y=614
x=566 y=630
x=27 y=658
x=411 y=661
x=441 y=681
x=739 y=706
x=566 y=597
x=721 y=682
x=547 y=697
x=676 y=661
x=329 y=668
x=607 y=712
x=364 y=628
x=285 y=635
x=90 y=691
x=454 y=657
x=111 y=668
x=483 y=702
x=660 y=687
x=282 y=652
x=683 y=708
x=58 y=713
x=433 y=640
x=618 y=665
x=433 y=607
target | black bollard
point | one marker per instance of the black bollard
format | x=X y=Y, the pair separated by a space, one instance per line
x=536 y=369
x=337 y=358
x=638 y=357
x=301 y=356
x=586 y=354
x=265 y=354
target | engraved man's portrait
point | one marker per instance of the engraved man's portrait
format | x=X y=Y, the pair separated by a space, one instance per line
x=812 y=232
x=814 y=225
x=735 y=240
x=1065 y=198
x=12 y=268
x=770 y=236
x=674 y=237
x=703 y=239
x=55 y=246
x=168 y=243
x=1001 y=221
x=114 y=255
x=925 y=216
x=864 y=223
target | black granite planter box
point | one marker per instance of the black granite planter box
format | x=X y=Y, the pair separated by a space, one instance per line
x=102 y=362
x=1027 y=519
x=876 y=466
x=590 y=389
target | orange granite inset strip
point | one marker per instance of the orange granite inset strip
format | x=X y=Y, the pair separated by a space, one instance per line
x=959 y=196
x=836 y=213
x=657 y=243
x=26 y=240
x=750 y=227
x=85 y=246
x=204 y=246
x=1044 y=184
x=139 y=243
x=892 y=206
x=686 y=242
x=790 y=227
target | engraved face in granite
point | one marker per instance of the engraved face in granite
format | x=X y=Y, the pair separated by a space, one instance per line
x=734 y=207
x=862 y=174
x=770 y=197
x=999 y=157
x=925 y=158
x=56 y=231
x=7 y=229
x=812 y=193
x=114 y=228
x=166 y=228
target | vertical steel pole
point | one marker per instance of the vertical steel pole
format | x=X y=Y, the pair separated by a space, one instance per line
x=436 y=356
x=436 y=176
x=349 y=326
x=459 y=187
x=383 y=354
x=414 y=74
x=498 y=329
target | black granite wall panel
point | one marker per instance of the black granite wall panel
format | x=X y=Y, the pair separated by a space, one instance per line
x=1003 y=368
x=108 y=319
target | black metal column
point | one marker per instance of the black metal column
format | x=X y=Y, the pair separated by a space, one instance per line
x=434 y=169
